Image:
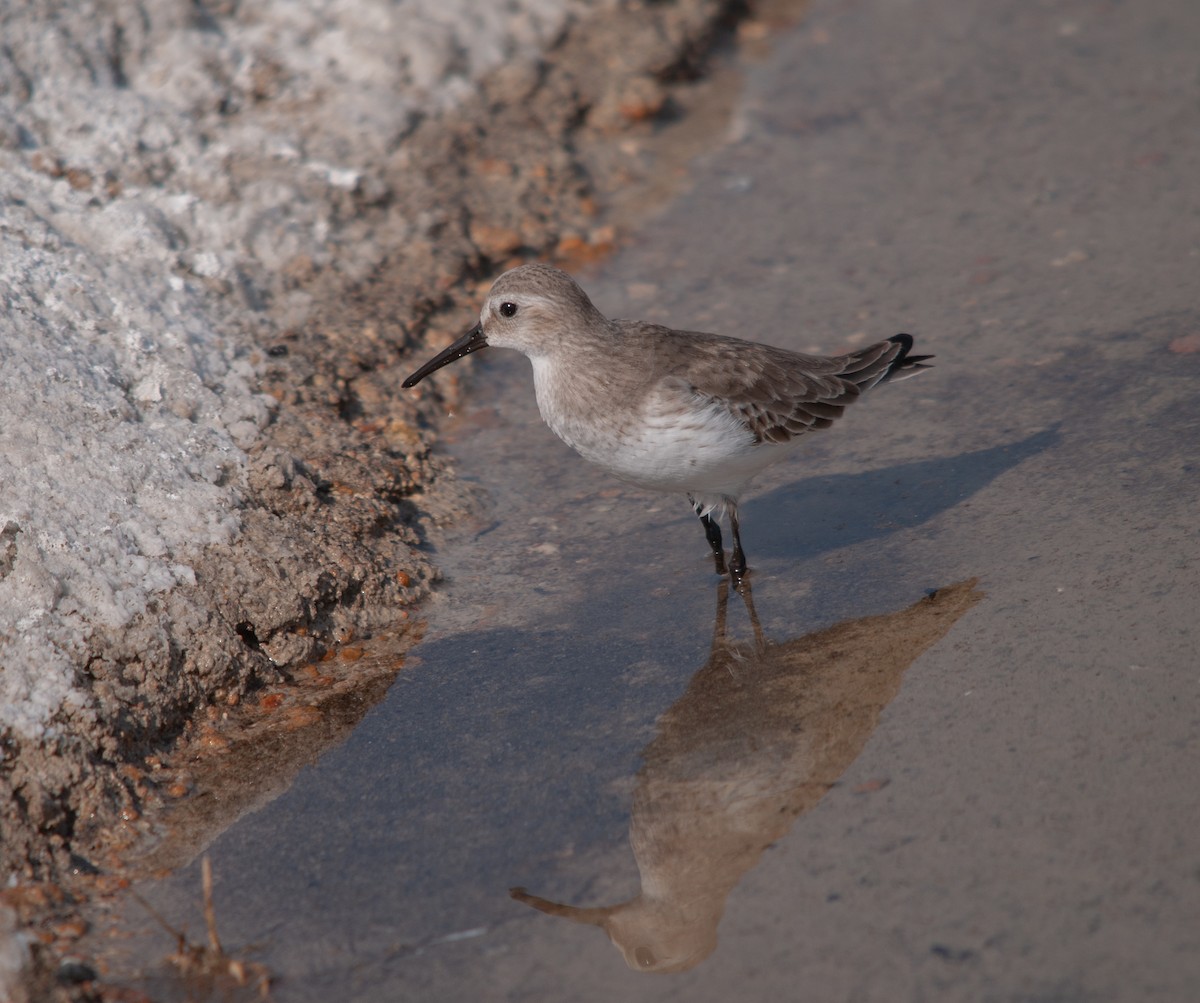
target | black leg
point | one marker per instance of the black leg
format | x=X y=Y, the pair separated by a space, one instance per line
x=712 y=533
x=737 y=563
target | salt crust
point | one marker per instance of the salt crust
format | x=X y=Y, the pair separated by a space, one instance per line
x=161 y=164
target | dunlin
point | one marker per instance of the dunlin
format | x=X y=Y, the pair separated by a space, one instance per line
x=680 y=411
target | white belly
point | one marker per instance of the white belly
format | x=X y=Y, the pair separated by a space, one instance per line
x=663 y=444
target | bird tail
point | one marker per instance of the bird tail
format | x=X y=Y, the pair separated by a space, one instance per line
x=885 y=360
x=904 y=365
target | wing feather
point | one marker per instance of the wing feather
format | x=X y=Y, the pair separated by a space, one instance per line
x=776 y=394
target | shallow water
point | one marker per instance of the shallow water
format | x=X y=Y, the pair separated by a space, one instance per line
x=517 y=747
x=1006 y=809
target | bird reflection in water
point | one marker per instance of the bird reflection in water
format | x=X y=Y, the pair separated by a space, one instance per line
x=760 y=735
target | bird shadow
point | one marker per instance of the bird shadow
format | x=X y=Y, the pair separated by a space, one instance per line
x=810 y=517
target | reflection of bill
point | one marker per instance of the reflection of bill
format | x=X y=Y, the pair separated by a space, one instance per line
x=763 y=731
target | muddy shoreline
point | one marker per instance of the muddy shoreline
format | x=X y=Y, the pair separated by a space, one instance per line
x=343 y=492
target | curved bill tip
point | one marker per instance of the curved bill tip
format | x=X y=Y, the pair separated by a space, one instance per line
x=470 y=342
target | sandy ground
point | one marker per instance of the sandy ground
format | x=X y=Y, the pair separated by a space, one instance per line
x=1014 y=185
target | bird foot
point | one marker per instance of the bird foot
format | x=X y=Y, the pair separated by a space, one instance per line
x=739 y=578
x=736 y=568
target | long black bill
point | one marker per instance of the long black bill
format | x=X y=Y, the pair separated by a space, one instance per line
x=470 y=342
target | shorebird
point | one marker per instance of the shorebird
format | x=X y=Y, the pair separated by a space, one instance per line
x=678 y=411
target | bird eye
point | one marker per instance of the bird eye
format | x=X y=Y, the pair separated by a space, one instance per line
x=508 y=309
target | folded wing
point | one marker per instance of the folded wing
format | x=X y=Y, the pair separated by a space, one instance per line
x=779 y=395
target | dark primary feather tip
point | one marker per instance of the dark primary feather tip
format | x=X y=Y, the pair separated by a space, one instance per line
x=904 y=365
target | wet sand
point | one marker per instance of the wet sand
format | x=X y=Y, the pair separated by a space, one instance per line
x=1014 y=186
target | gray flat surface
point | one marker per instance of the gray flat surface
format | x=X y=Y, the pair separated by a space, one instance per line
x=1014 y=183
